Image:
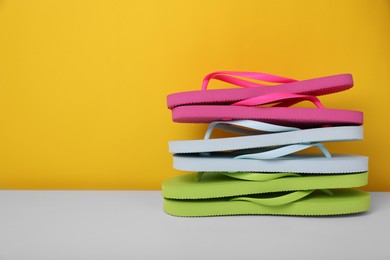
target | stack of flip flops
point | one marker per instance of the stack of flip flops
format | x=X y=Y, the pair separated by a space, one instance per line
x=258 y=170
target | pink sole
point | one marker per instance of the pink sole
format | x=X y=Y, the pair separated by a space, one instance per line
x=306 y=117
x=315 y=87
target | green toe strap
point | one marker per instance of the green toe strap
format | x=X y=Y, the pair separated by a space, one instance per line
x=250 y=176
x=281 y=200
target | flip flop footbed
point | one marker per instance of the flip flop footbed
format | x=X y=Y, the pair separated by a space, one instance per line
x=217 y=185
x=343 y=201
x=327 y=134
x=306 y=117
x=310 y=164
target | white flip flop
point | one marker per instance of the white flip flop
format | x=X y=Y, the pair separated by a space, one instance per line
x=275 y=160
x=259 y=134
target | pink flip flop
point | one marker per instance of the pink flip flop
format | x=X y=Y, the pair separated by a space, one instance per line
x=314 y=87
x=247 y=109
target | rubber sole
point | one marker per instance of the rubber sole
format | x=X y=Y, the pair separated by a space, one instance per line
x=343 y=201
x=287 y=116
x=217 y=185
x=310 y=164
x=326 y=134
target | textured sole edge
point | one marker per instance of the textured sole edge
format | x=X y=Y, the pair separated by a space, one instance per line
x=328 y=134
x=186 y=188
x=345 y=201
x=337 y=164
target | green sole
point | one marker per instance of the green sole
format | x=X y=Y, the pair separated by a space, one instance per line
x=343 y=201
x=217 y=185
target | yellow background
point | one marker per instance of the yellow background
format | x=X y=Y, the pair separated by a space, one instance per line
x=83 y=84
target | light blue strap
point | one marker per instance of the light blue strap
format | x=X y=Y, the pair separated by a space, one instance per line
x=279 y=152
x=259 y=177
x=251 y=176
x=247 y=127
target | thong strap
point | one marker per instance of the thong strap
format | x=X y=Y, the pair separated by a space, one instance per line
x=260 y=177
x=281 y=200
x=281 y=98
x=247 y=127
x=251 y=176
x=231 y=77
x=276 y=201
x=282 y=151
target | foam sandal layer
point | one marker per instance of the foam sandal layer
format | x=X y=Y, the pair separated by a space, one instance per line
x=218 y=185
x=301 y=203
x=300 y=117
x=315 y=87
x=309 y=164
x=279 y=136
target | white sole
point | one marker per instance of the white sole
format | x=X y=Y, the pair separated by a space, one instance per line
x=327 y=134
x=311 y=164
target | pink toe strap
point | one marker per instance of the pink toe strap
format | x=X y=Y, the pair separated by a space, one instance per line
x=283 y=100
x=231 y=77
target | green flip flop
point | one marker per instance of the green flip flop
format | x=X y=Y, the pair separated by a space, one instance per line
x=298 y=203
x=228 y=184
x=215 y=194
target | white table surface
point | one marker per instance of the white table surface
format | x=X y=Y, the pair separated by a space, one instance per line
x=95 y=225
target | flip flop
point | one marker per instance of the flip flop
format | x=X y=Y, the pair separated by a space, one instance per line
x=247 y=109
x=276 y=160
x=298 y=203
x=259 y=134
x=206 y=185
x=315 y=87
